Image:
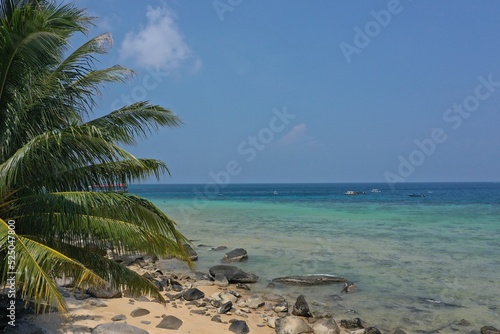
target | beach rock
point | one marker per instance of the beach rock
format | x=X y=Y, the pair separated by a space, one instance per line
x=233 y=274
x=26 y=327
x=139 y=312
x=119 y=317
x=79 y=296
x=97 y=303
x=372 y=330
x=193 y=294
x=301 y=308
x=105 y=292
x=399 y=331
x=326 y=326
x=243 y=286
x=254 y=301
x=239 y=327
x=489 y=330
x=117 y=328
x=351 y=323
x=224 y=308
x=237 y=255
x=219 y=248
x=199 y=276
x=292 y=325
x=349 y=287
x=272 y=297
x=216 y=318
x=221 y=280
x=193 y=256
x=227 y=296
x=310 y=279
x=170 y=322
x=271 y=321
x=281 y=307
x=463 y=322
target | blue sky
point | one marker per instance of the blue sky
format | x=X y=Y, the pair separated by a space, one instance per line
x=316 y=91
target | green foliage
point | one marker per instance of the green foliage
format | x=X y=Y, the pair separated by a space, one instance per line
x=49 y=155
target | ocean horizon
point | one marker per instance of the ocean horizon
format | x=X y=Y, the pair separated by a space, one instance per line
x=420 y=262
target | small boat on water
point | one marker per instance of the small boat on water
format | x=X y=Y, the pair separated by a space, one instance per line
x=352 y=192
x=375 y=191
x=416 y=195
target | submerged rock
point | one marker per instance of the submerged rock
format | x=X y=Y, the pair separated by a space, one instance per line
x=193 y=256
x=351 y=323
x=310 y=279
x=233 y=274
x=349 y=287
x=237 y=255
x=489 y=330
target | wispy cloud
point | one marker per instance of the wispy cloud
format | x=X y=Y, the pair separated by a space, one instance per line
x=294 y=135
x=160 y=43
x=298 y=136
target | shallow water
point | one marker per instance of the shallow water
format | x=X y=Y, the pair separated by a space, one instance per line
x=420 y=262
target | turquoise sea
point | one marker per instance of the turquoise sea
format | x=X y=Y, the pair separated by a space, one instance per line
x=420 y=263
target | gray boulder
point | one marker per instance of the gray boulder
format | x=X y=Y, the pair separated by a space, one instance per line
x=105 y=292
x=221 y=280
x=310 y=279
x=193 y=294
x=254 y=301
x=301 y=308
x=239 y=327
x=489 y=330
x=233 y=274
x=326 y=326
x=193 y=256
x=224 y=308
x=292 y=325
x=237 y=255
x=117 y=328
x=170 y=322
x=139 y=312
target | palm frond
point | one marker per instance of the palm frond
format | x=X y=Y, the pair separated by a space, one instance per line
x=36 y=267
x=135 y=120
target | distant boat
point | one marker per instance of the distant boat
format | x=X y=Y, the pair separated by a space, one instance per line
x=275 y=192
x=416 y=195
x=375 y=191
x=352 y=192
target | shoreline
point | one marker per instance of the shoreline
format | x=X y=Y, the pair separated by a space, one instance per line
x=259 y=310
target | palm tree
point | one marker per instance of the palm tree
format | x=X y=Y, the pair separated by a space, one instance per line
x=50 y=153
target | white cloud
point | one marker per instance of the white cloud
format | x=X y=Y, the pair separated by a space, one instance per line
x=159 y=44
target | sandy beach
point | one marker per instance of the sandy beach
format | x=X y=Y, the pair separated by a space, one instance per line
x=197 y=316
x=84 y=316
